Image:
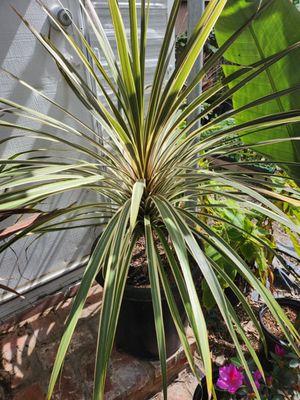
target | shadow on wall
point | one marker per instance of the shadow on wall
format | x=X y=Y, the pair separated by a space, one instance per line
x=8 y=18
x=31 y=259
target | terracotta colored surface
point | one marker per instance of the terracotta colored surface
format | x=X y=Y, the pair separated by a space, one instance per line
x=28 y=350
x=182 y=388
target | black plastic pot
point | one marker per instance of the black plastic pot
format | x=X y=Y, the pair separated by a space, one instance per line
x=201 y=390
x=231 y=296
x=136 y=328
x=200 y=394
x=271 y=339
x=135 y=332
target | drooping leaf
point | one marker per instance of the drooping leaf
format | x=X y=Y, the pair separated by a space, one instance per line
x=140 y=168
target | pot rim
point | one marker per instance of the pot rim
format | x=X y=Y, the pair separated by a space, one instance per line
x=143 y=293
x=138 y=293
x=282 y=301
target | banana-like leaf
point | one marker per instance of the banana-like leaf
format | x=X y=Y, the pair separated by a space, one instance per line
x=271 y=31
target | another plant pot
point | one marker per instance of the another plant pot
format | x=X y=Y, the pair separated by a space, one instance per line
x=201 y=390
x=231 y=296
x=271 y=339
x=200 y=394
x=242 y=285
x=136 y=333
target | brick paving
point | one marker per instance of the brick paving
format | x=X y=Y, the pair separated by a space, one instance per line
x=182 y=388
x=29 y=345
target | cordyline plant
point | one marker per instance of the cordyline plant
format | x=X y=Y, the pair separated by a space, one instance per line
x=146 y=171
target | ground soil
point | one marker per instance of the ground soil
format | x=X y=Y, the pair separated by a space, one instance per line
x=222 y=346
x=271 y=324
x=138 y=274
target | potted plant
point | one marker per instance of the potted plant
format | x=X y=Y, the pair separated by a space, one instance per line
x=281 y=382
x=274 y=337
x=135 y=331
x=145 y=169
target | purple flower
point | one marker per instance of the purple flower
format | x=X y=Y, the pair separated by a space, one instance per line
x=257 y=376
x=279 y=351
x=230 y=378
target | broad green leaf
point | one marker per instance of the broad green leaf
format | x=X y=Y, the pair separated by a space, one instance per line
x=220 y=244
x=273 y=30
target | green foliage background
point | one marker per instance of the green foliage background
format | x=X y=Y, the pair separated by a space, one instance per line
x=272 y=30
